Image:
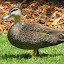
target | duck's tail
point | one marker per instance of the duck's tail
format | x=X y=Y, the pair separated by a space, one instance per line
x=60 y=35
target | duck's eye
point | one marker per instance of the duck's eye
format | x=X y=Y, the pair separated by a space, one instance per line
x=14 y=10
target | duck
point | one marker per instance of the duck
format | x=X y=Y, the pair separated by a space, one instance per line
x=31 y=36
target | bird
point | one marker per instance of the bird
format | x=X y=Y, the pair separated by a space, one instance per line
x=31 y=36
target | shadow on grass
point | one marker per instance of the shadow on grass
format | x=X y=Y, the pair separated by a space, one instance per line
x=50 y=55
x=28 y=56
x=25 y=56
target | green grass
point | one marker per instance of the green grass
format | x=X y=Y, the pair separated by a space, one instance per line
x=12 y=55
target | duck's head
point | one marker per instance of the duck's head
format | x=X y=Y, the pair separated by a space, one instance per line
x=14 y=11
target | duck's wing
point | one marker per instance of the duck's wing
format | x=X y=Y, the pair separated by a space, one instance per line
x=39 y=39
x=39 y=28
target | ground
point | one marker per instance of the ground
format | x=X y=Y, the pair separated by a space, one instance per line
x=41 y=12
x=12 y=55
x=50 y=14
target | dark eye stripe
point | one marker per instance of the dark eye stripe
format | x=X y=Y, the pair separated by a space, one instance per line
x=14 y=10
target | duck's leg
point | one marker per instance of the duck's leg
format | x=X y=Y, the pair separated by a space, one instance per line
x=37 y=52
x=34 y=53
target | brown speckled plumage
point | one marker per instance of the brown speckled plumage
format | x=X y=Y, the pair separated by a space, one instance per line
x=28 y=37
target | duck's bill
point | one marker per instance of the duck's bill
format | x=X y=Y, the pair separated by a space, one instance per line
x=7 y=16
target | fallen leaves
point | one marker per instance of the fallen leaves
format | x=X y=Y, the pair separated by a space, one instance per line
x=33 y=12
x=57 y=20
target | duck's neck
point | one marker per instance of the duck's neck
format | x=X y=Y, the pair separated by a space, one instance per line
x=18 y=19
